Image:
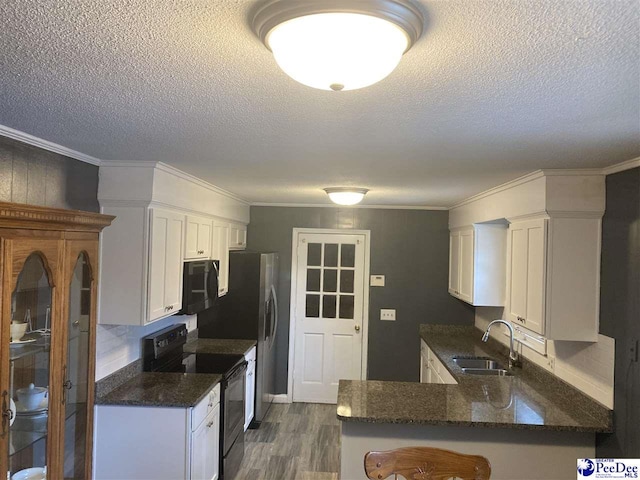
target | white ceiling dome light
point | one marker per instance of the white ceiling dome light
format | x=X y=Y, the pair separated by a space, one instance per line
x=338 y=44
x=346 y=195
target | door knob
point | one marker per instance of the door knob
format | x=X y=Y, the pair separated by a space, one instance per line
x=357 y=328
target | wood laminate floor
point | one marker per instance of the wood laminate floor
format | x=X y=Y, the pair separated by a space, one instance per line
x=298 y=441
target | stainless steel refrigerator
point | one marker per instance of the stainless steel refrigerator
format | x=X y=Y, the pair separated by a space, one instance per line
x=250 y=311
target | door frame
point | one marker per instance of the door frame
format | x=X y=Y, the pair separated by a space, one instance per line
x=294 y=286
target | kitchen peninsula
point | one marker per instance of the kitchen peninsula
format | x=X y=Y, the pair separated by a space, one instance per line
x=527 y=422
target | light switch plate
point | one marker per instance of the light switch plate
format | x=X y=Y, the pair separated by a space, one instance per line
x=388 y=314
x=377 y=281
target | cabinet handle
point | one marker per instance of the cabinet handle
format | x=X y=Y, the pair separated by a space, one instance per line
x=210 y=424
x=6 y=414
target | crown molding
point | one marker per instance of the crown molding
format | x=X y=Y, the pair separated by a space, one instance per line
x=176 y=172
x=620 y=167
x=529 y=177
x=325 y=205
x=47 y=145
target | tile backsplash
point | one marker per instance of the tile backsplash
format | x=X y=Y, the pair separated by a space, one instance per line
x=119 y=345
x=587 y=366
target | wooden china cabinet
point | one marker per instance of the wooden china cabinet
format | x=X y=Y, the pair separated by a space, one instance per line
x=48 y=278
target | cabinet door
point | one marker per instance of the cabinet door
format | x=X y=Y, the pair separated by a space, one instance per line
x=165 y=264
x=526 y=264
x=197 y=237
x=465 y=278
x=221 y=252
x=205 y=448
x=454 y=263
x=31 y=375
x=237 y=237
x=80 y=276
x=250 y=393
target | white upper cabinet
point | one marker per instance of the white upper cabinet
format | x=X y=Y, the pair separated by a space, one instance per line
x=237 y=236
x=164 y=216
x=220 y=252
x=141 y=266
x=554 y=277
x=165 y=264
x=476 y=264
x=198 y=238
x=553 y=251
x=525 y=267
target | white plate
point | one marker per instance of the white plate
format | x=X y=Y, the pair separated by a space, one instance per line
x=17 y=343
x=44 y=405
x=36 y=473
x=12 y=407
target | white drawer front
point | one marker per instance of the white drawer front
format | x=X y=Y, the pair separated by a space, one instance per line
x=205 y=407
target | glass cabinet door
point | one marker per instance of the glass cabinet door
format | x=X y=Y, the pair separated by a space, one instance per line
x=77 y=371
x=29 y=367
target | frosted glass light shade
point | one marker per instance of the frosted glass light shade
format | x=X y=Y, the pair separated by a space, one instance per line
x=346 y=195
x=337 y=51
x=338 y=44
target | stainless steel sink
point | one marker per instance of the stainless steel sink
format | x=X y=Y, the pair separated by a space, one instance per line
x=481 y=366
x=499 y=372
x=478 y=363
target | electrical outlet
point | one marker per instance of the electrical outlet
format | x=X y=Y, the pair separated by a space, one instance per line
x=377 y=281
x=387 y=314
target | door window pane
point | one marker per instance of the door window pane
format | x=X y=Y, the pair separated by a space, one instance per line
x=313 y=280
x=330 y=283
x=329 y=306
x=331 y=255
x=76 y=413
x=314 y=253
x=31 y=306
x=346 y=306
x=346 y=281
x=312 y=306
x=347 y=255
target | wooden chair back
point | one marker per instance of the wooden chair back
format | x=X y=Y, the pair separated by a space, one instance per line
x=425 y=463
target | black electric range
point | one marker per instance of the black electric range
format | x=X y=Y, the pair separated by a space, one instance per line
x=163 y=351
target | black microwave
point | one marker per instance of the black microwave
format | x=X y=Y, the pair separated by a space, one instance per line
x=199 y=286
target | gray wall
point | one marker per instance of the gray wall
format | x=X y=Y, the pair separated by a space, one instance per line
x=38 y=177
x=620 y=308
x=410 y=247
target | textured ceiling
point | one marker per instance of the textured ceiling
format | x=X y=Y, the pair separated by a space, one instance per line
x=492 y=90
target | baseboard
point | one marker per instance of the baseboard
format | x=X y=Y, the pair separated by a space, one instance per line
x=281 y=398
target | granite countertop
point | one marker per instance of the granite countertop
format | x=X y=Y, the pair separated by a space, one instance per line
x=160 y=389
x=530 y=399
x=219 y=345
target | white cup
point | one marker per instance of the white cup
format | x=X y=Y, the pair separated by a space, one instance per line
x=18 y=330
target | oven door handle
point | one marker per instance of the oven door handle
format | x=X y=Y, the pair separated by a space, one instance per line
x=237 y=371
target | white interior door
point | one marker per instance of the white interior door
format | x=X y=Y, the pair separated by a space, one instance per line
x=329 y=301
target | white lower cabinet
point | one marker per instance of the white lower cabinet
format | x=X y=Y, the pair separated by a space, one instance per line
x=432 y=370
x=139 y=442
x=250 y=387
x=205 y=447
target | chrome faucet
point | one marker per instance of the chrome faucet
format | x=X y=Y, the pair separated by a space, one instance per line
x=514 y=359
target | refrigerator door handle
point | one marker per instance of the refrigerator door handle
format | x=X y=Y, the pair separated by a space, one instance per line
x=274 y=323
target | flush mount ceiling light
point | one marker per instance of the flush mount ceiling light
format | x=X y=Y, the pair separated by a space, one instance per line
x=338 y=44
x=346 y=195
